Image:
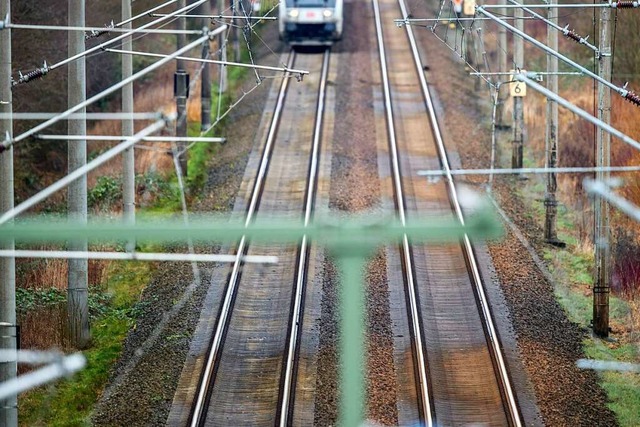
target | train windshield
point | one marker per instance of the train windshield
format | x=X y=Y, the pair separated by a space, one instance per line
x=311 y=3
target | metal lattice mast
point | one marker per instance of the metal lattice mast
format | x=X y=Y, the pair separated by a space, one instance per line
x=8 y=370
x=551 y=134
x=77 y=285
x=128 y=158
x=603 y=159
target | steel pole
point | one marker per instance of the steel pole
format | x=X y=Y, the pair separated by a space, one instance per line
x=181 y=93
x=77 y=285
x=8 y=366
x=222 y=46
x=128 y=157
x=205 y=90
x=603 y=159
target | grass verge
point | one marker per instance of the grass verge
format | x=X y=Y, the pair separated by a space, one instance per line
x=114 y=310
x=571 y=269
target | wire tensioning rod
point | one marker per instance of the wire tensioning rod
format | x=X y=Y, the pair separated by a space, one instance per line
x=244 y=17
x=577 y=110
x=82 y=116
x=119 y=30
x=120 y=137
x=300 y=73
x=613 y=5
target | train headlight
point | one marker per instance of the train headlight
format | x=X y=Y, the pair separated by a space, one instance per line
x=293 y=13
x=327 y=13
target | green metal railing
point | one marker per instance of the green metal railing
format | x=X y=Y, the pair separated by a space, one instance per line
x=351 y=240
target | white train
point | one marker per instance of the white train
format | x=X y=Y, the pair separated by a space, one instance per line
x=311 y=22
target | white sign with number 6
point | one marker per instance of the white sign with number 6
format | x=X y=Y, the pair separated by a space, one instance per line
x=517 y=88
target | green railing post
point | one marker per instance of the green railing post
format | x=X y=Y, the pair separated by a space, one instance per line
x=352 y=339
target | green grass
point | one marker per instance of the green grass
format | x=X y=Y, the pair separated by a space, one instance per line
x=70 y=401
x=571 y=268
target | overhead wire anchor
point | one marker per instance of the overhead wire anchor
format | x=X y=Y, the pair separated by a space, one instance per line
x=31 y=75
x=97 y=33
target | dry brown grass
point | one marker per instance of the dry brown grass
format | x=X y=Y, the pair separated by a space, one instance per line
x=576 y=142
x=154 y=95
x=52 y=273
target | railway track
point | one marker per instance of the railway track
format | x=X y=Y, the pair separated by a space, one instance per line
x=460 y=372
x=250 y=367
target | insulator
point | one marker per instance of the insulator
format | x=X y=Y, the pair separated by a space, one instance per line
x=572 y=35
x=633 y=98
x=32 y=75
x=625 y=4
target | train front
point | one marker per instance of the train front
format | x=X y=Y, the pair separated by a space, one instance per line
x=310 y=22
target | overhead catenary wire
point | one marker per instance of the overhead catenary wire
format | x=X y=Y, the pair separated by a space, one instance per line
x=133 y=18
x=9 y=142
x=518 y=171
x=82 y=116
x=62 y=183
x=627 y=94
x=118 y=30
x=213 y=61
x=565 y=30
x=101 y=46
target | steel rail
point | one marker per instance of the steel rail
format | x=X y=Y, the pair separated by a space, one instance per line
x=510 y=400
x=302 y=268
x=423 y=386
x=197 y=414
